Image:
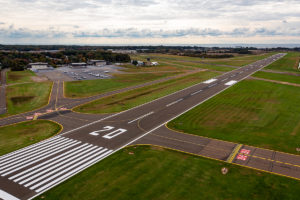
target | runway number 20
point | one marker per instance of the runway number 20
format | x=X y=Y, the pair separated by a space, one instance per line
x=109 y=135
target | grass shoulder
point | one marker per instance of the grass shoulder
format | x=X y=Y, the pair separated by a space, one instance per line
x=289 y=62
x=79 y=89
x=130 y=99
x=278 y=77
x=17 y=136
x=253 y=112
x=26 y=97
x=19 y=76
x=144 y=172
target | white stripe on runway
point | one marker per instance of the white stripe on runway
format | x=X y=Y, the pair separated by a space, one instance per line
x=55 y=159
x=212 y=85
x=210 y=81
x=231 y=82
x=54 y=165
x=23 y=165
x=170 y=104
x=196 y=92
x=73 y=171
x=6 y=196
x=141 y=117
x=59 y=171
x=32 y=154
x=224 y=79
x=26 y=150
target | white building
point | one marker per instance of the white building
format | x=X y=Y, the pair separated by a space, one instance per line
x=79 y=65
x=154 y=63
x=97 y=62
x=39 y=66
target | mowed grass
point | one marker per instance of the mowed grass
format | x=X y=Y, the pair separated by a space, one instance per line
x=290 y=63
x=19 y=76
x=237 y=61
x=20 y=135
x=252 y=112
x=79 y=89
x=26 y=97
x=278 y=77
x=154 y=173
x=130 y=99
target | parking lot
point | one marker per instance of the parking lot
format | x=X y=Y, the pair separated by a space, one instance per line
x=86 y=73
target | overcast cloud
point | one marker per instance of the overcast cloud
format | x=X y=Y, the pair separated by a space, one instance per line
x=149 y=21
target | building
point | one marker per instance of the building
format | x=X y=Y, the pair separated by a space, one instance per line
x=39 y=66
x=154 y=63
x=79 y=65
x=97 y=62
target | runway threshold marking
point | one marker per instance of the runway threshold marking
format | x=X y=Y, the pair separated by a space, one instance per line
x=141 y=117
x=232 y=82
x=196 y=92
x=6 y=196
x=210 y=81
x=174 y=102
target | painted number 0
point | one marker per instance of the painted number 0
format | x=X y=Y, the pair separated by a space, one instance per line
x=111 y=134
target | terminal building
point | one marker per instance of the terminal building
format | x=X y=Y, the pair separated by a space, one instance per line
x=79 y=65
x=97 y=62
x=39 y=66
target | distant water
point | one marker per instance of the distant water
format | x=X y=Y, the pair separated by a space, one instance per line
x=246 y=45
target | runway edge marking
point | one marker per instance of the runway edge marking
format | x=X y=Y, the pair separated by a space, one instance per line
x=71 y=175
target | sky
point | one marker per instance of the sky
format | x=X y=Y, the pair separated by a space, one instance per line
x=149 y=22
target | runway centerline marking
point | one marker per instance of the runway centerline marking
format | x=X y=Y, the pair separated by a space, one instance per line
x=210 y=81
x=141 y=117
x=212 y=85
x=196 y=92
x=232 y=82
x=224 y=79
x=174 y=102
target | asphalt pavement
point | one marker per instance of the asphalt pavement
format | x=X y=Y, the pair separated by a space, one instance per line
x=33 y=170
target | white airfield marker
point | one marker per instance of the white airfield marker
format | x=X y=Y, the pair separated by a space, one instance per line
x=231 y=82
x=210 y=81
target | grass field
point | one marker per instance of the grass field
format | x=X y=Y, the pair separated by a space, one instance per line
x=130 y=99
x=278 y=77
x=289 y=62
x=253 y=112
x=20 y=135
x=77 y=89
x=235 y=61
x=26 y=97
x=155 y=173
x=19 y=76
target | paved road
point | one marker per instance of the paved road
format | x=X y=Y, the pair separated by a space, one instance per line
x=58 y=102
x=2 y=92
x=37 y=168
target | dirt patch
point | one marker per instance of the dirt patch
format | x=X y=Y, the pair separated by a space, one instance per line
x=21 y=99
x=39 y=78
x=14 y=77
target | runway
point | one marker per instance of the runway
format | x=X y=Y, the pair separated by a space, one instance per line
x=58 y=102
x=39 y=167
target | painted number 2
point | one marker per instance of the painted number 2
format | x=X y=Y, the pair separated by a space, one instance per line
x=109 y=135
